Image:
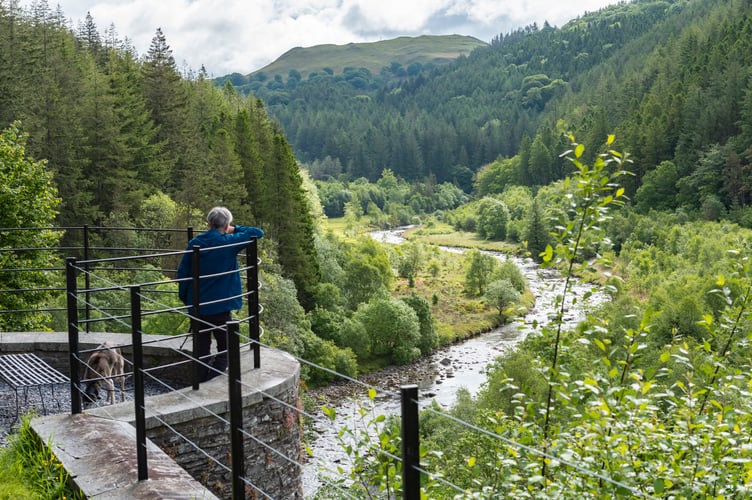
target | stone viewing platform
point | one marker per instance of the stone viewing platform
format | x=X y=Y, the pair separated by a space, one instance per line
x=98 y=447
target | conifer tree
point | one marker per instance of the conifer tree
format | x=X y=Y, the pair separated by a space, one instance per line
x=167 y=100
x=536 y=232
x=286 y=214
x=51 y=95
x=249 y=156
x=88 y=35
x=223 y=181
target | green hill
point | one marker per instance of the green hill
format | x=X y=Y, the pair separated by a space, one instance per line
x=403 y=56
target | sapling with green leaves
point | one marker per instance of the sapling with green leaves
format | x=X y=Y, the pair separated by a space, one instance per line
x=591 y=193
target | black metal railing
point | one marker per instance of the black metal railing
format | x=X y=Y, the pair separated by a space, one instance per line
x=136 y=312
x=91 y=246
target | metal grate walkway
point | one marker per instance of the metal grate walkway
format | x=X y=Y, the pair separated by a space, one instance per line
x=28 y=370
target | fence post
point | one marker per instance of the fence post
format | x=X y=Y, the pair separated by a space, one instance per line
x=87 y=278
x=410 y=443
x=72 y=302
x=253 y=300
x=195 y=326
x=138 y=383
x=236 y=411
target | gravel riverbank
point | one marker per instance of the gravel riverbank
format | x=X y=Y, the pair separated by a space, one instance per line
x=425 y=371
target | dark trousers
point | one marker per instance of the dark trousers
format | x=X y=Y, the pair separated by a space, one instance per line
x=204 y=344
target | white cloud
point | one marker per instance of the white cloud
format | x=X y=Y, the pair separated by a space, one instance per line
x=244 y=35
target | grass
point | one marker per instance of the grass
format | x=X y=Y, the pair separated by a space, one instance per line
x=436 y=49
x=443 y=234
x=30 y=470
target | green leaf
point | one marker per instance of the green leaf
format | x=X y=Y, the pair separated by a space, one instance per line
x=371 y=393
x=647 y=386
x=658 y=486
x=579 y=150
x=600 y=345
x=329 y=412
x=547 y=254
x=665 y=357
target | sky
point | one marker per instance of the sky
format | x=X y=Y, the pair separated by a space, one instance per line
x=242 y=36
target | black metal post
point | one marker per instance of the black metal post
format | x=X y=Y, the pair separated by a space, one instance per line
x=87 y=278
x=236 y=411
x=195 y=325
x=253 y=300
x=138 y=383
x=72 y=302
x=410 y=443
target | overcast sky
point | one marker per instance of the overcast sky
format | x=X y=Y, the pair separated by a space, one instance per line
x=228 y=36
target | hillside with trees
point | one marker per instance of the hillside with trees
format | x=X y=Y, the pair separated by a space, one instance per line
x=120 y=132
x=669 y=78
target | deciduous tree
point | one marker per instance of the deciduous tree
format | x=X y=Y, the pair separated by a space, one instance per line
x=28 y=199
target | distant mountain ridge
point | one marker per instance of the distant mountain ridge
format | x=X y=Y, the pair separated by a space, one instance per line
x=404 y=51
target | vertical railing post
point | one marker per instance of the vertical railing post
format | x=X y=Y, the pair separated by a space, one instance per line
x=253 y=300
x=236 y=411
x=72 y=302
x=87 y=278
x=195 y=326
x=138 y=383
x=410 y=443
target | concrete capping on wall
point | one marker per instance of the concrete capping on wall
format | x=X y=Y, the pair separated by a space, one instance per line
x=271 y=409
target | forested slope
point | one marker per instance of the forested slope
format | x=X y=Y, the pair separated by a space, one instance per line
x=132 y=141
x=670 y=78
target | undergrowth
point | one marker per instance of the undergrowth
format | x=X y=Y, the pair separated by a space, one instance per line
x=29 y=468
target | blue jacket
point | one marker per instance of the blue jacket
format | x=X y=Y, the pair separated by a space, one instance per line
x=216 y=261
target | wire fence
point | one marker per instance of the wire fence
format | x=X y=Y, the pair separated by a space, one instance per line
x=104 y=293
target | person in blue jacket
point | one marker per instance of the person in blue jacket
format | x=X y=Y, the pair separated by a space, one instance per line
x=220 y=289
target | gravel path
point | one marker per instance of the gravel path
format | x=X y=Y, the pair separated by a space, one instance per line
x=51 y=400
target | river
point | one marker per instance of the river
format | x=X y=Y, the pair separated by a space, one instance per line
x=460 y=365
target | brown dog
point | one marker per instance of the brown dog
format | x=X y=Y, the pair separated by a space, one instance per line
x=105 y=366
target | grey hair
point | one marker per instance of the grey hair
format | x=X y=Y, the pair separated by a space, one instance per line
x=219 y=218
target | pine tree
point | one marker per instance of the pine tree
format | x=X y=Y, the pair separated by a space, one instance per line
x=249 y=156
x=167 y=100
x=88 y=36
x=51 y=93
x=286 y=214
x=536 y=232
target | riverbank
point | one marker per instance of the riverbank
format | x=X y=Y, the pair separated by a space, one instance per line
x=458 y=316
x=388 y=379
